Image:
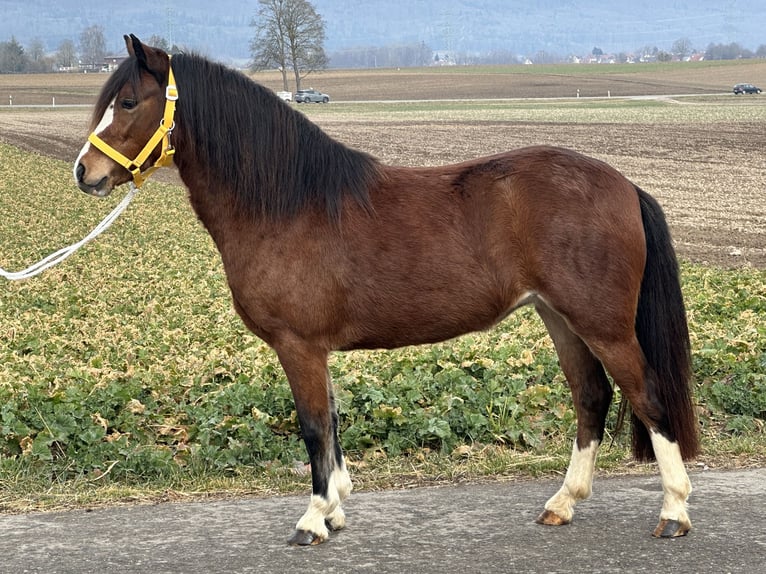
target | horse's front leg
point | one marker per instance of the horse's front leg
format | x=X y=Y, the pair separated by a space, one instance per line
x=309 y=379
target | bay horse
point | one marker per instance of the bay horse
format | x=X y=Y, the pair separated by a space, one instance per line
x=327 y=249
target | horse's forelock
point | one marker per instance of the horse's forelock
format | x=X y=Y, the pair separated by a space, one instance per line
x=128 y=71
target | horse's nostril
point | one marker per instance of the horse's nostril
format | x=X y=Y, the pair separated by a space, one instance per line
x=80 y=172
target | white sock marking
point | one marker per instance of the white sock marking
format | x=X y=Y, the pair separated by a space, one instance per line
x=675 y=482
x=327 y=509
x=578 y=483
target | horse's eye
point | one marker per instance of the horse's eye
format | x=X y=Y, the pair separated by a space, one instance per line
x=128 y=104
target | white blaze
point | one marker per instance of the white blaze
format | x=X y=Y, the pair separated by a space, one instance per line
x=106 y=121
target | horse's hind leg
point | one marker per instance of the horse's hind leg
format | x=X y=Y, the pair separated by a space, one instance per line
x=625 y=362
x=592 y=395
x=309 y=379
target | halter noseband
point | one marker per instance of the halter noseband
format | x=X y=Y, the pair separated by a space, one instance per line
x=162 y=134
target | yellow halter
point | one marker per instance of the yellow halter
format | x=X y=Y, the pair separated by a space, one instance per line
x=161 y=135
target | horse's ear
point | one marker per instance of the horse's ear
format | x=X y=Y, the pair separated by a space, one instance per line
x=153 y=60
x=136 y=48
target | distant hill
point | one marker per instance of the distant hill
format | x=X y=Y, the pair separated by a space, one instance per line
x=221 y=29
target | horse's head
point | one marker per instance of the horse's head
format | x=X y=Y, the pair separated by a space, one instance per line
x=125 y=123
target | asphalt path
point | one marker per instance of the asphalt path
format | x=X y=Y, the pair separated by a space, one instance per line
x=466 y=528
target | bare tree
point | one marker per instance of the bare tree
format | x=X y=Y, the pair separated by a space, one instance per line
x=66 y=56
x=290 y=34
x=305 y=40
x=269 y=47
x=38 y=62
x=36 y=50
x=682 y=48
x=160 y=42
x=93 y=47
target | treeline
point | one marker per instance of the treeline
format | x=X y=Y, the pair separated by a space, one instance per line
x=414 y=55
x=395 y=56
x=733 y=51
x=87 y=55
x=14 y=59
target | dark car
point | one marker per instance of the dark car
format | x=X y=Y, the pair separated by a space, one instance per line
x=746 y=89
x=311 y=95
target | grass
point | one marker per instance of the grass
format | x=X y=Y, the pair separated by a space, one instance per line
x=125 y=375
x=654 y=68
x=689 y=110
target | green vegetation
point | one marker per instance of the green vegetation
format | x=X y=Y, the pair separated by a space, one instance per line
x=124 y=372
x=567 y=69
x=685 y=110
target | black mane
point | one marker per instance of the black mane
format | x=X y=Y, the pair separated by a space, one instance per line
x=270 y=156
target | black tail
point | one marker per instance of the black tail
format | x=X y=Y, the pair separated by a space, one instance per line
x=663 y=334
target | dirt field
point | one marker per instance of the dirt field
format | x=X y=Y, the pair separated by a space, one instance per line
x=709 y=177
x=441 y=83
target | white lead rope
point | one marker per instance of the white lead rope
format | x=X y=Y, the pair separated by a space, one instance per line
x=64 y=252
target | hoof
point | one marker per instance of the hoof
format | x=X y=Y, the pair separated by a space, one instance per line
x=304 y=538
x=551 y=519
x=670 y=529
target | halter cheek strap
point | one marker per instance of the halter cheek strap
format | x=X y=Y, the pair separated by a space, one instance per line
x=162 y=134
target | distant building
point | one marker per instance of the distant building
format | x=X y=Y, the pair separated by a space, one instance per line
x=111 y=63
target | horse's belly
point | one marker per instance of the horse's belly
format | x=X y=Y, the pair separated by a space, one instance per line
x=420 y=319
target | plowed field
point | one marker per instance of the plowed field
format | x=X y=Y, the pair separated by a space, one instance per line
x=702 y=157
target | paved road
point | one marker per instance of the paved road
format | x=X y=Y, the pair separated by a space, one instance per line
x=468 y=528
x=5 y=106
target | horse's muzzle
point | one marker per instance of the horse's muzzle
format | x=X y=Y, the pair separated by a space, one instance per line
x=99 y=189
